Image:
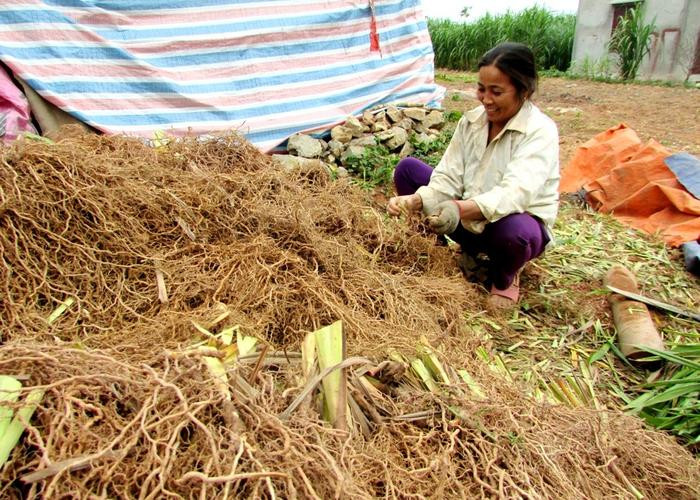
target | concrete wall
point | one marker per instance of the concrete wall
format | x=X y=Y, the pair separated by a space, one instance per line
x=593 y=24
x=691 y=38
x=673 y=47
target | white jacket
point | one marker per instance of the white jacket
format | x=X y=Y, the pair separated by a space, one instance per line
x=518 y=171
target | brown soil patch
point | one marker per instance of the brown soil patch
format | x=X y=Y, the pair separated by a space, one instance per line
x=582 y=109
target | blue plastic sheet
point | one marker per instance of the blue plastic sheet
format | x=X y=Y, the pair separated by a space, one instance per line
x=687 y=170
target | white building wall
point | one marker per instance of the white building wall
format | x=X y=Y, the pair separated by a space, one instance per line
x=593 y=24
x=673 y=47
x=690 y=48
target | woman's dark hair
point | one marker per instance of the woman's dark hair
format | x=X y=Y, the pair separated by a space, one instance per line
x=518 y=62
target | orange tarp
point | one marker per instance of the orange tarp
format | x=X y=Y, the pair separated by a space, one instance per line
x=630 y=180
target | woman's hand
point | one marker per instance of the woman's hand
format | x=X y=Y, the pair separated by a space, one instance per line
x=446 y=216
x=410 y=203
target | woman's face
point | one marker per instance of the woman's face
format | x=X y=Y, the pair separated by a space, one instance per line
x=498 y=95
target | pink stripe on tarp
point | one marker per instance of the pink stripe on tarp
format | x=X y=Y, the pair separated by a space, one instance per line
x=232 y=71
x=157 y=17
x=23 y=2
x=147 y=102
x=70 y=34
x=132 y=19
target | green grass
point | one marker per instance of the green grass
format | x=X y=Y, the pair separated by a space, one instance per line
x=431 y=152
x=457 y=77
x=565 y=320
x=374 y=169
x=461 y=45
x=574 y=73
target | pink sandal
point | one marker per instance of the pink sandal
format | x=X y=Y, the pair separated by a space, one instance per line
x=512 y=294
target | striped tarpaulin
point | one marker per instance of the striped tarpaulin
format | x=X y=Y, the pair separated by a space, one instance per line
x=268 y=68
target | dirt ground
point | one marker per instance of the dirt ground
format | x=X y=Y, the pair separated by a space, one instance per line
x=582 y=109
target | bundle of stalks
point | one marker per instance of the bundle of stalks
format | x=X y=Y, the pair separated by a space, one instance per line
x=126 y=431
x=126 y=270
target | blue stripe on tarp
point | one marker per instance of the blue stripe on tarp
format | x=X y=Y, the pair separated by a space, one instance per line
x=235 y=114
x=134 y=33
x=102 y=87
x=237 y=55
x=136 y=5
x=686 y=167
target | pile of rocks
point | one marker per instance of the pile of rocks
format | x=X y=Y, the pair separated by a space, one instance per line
x=389 y=126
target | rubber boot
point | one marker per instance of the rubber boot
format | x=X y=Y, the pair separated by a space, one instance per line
x=633 y=322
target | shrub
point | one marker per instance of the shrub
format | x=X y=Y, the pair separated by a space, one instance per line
x=631 y=41
x=461 y=45
x=374 y=168
x=431 y=152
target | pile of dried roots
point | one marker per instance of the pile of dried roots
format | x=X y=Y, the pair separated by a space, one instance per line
x=147 y=241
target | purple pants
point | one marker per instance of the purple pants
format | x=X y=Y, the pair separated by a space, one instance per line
x=509 y=242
